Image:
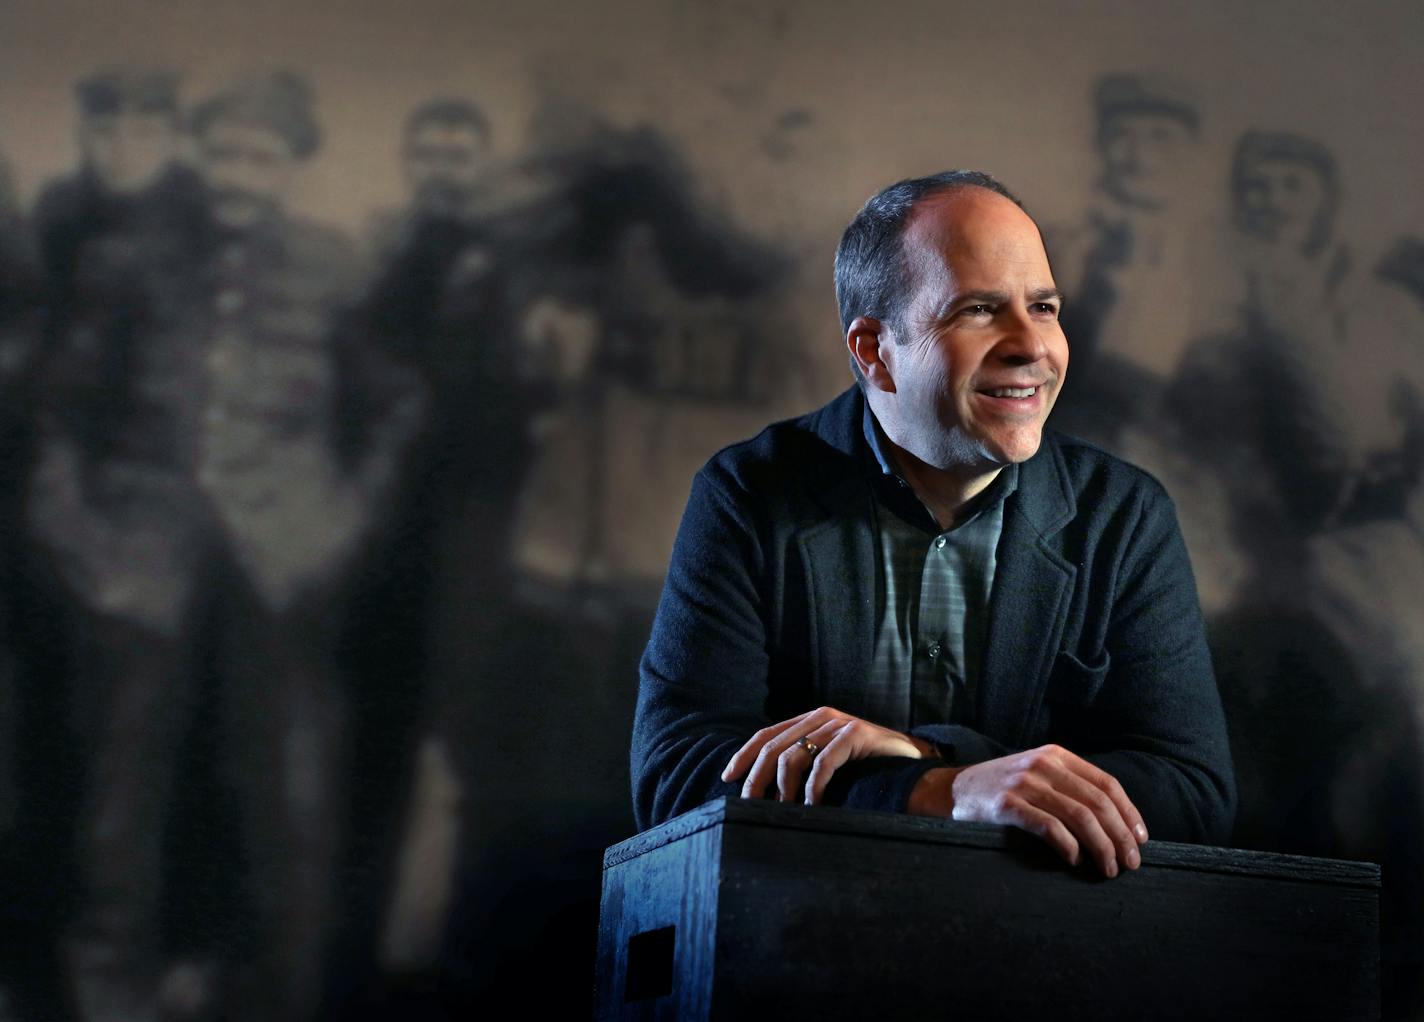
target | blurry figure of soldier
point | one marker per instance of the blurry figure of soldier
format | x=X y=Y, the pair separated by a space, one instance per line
x=1283 y=393
x=1136 y=269
x=113 y=524
x=130 y=185
x=300 y=441
x=433 y=610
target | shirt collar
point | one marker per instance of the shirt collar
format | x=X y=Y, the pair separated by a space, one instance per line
x=897 y=493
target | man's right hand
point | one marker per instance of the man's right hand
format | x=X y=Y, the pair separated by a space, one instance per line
x=1070 y=803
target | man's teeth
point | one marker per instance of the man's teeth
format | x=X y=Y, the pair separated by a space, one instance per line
x=1013 y=392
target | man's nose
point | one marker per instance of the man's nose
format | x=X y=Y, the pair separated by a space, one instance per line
x=1130 y=156
x=1023 y=341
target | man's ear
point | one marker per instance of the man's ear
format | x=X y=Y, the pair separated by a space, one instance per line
x=866 y=338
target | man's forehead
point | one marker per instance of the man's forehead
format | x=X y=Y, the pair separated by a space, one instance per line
x=445 y=135
x=1130 y=120
x=240 y=133
x=973 y=222
x=1280 y=165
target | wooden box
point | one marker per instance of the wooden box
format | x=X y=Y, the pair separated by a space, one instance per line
x=741 y=909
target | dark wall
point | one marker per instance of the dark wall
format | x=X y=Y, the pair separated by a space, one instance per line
x=356 y=360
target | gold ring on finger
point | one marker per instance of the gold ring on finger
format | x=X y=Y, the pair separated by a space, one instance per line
x=808 y=745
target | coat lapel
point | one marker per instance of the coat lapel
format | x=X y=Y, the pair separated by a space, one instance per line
x=843 y=582
x=1033 y=588
x=837 y=551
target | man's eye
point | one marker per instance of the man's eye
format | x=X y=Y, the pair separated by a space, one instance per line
x=978 y=310
x=1045 y=308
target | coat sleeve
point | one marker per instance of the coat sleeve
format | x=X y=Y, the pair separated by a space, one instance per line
x=705 y=676
x=1158 y=724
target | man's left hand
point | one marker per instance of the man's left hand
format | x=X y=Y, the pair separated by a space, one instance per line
x=833 y=738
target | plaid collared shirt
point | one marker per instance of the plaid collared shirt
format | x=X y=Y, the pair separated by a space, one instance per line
x=930 y=638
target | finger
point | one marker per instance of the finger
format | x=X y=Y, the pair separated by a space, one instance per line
x=1107 y=784
x=744 y=756
x=838 y=750
x=763 y=770
x=1019 y=813
x=1082 y=821
x=1114 y=790
x=1107 y=810
x=796 y=759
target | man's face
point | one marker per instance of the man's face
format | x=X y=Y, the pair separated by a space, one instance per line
x=1142 y=154
x=128 y=150
x=1280 y=201
x=249 y=170
x=979 y=356
x=443 y=166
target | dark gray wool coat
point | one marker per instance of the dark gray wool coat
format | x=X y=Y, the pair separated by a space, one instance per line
x=1095 y=638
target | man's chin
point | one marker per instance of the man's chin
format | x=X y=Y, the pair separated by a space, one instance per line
x=1019 y=447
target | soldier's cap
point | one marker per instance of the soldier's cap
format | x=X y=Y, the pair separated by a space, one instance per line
x=280 y=101
x=1257 y=145
x=448 y=112
x=140 y=90
x=1145 y=93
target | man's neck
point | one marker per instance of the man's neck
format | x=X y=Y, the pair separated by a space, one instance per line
x=948 y=494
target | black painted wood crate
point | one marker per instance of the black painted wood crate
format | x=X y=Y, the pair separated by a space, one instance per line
x=744 y=909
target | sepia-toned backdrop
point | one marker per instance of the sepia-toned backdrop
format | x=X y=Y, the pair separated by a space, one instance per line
x=357 y=356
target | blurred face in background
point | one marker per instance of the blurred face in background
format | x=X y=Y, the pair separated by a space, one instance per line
x=1143 y=155
x=1280 y=201
x=249 y=170
x=444 y=164
x=128 y=150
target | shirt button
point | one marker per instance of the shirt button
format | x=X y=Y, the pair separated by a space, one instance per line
x=934 y=650
x=939 y=543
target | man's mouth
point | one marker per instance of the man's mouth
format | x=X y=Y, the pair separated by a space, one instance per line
x=1011 y=391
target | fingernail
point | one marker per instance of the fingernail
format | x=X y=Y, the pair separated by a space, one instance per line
x=1134 y=858
x=1140 y=831
x=1112 y=868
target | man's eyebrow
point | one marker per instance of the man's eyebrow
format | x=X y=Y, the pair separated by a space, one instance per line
x=984 y=297
x=1044 y=294
x=972 y=297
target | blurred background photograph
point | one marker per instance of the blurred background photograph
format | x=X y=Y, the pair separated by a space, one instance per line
x=357 y=358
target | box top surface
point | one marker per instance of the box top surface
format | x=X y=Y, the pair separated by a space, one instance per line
x=737 y=812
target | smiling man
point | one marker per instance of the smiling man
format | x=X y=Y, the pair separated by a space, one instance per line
x=920 y=599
